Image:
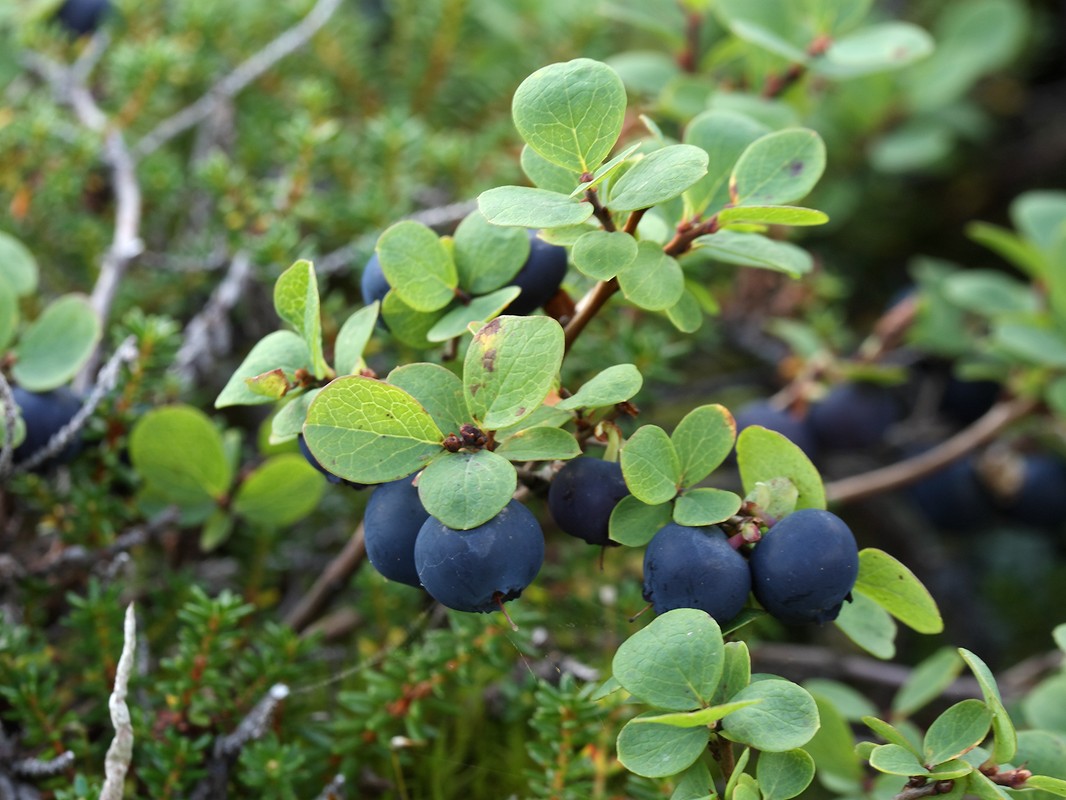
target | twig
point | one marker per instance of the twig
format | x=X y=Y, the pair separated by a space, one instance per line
x=39 y=768
x=248 y=71
x=120 y=753
x=587 y=308
x=332 y=580
x=7 y=450
x=228 y=748
x=105 y=383
x=207 y=333
x=1001 y=415
x=334 y=791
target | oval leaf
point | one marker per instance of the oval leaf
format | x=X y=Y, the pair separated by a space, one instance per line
x=278 y=350
x=784 y=775
x=785 y=718
x=650 y=465
x=281 y=491
x=723 y=135
x=366 y=431
x=510 y=367
x=1006 y=737
x=571 y=113
x=778 y=168
x=464 y=490
x=487 y=256
x=611 y=386
x=658 y=177
x=755 y=250
x=477 y=312
x=703 y=438
x=657 y=751
x=896 y=589
x=653 y=280
x=763 y=455
x=161 y=444
x=56 y=345
x=437 y=389
x=868 y=625
x=18 y=267
x=417 y=265
x=956 y=731
x=705 y=506
x=675 y=662
x=540 y=443
x=634 y=523
x=771 y=215
x=603 y=254
x=352 y=339
x=296 y=301
x=877 y=48
x=532 y=208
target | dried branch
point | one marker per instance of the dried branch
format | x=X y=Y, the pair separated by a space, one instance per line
x=207 y=334
x=587 y=308
x=332 y=580
x=334 y=791
x=120 y=753
x=912 y=469
x=248 y=71
x=39 y=768
x=7 y=450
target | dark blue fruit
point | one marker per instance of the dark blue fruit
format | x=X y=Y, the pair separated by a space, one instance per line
x=583 y=495
x=695 y=568
x=853 y=416
x=82 y=17
x=307 y=454
x=394 y=515
x=795 y=429
x=540 y=277
x=44 y=415
x=952 y=498
x=478 y=569
x=372 y=283
x=805 y=567
x=967 y=401
x=1040 y=497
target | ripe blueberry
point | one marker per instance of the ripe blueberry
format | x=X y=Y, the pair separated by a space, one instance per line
x=372 y=283
x=687 y=567
x=805 y=567
x=44 y=415
x=81 y=17
x=394 y=515
x=583 y=495
x=478 y=569
x=540 y=277
x=853 y=416
x=1040 y=496
x=793 y=428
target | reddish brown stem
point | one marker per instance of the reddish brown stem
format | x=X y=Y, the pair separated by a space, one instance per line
x=599 y=211
x=588 y=307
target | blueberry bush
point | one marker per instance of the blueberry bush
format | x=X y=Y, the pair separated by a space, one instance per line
x=335 y=333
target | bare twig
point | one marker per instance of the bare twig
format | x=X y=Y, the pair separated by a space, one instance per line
x=332 y=580
x=120 y=752
x=106 y=381
x=587 y=308
x=334 y=791
x=248 y=71
x=912 y=469
x=39 y=768
x=7 y=450
x=207 y=333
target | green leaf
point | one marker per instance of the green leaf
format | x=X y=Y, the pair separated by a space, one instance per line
x=282 y=491
x=957 y=731
x=877 y=48
x=278 y=350
x=734 y=781
x=352 y=339
x=571 y=113
x=1040 y=216
x=695 y=783
x=606 y=170
x=987 y=292
x=833 y=748
x=1056 y=786
x=736 y=671
x=1045 y=705
x=296 y=301
x=890 y=734
x=778 y=168
x=931 y=677
x=673 y=663
x=478 y=311
x=634 y=523
x=160 y=446
x=705 y=506
x=771 y=215
x=1007 y=244
x=785 y=718
x=784 y=775
x=611 y=386
x=602 y=254
x=1059 y=635
x=658 y=177
x=696 y=719
x=217 y=528
x=657 y=751
x=407 y=324
x=980 y=786
x=545 y=416
x=686 y=314
x=272 y=385
x=763 y=455
x=510 y=367
x=288 y=422
x=526 y=207
x=464 y=490
x=868 y=625
x=755 y=250
x=895 y=588
x=896 y=760
x=1031 y=343
x=9 y=314
x=545 y=174
x=768 y=25
x=56 y=344
x=437 y=389
x=723 y=135
x=703 y=438
x=540 y=443
x=367 y=431
x=650 y=465
x=653 y=280
x=417 y=266
x=776 y=497
x=18 y=267
x=488 y=256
